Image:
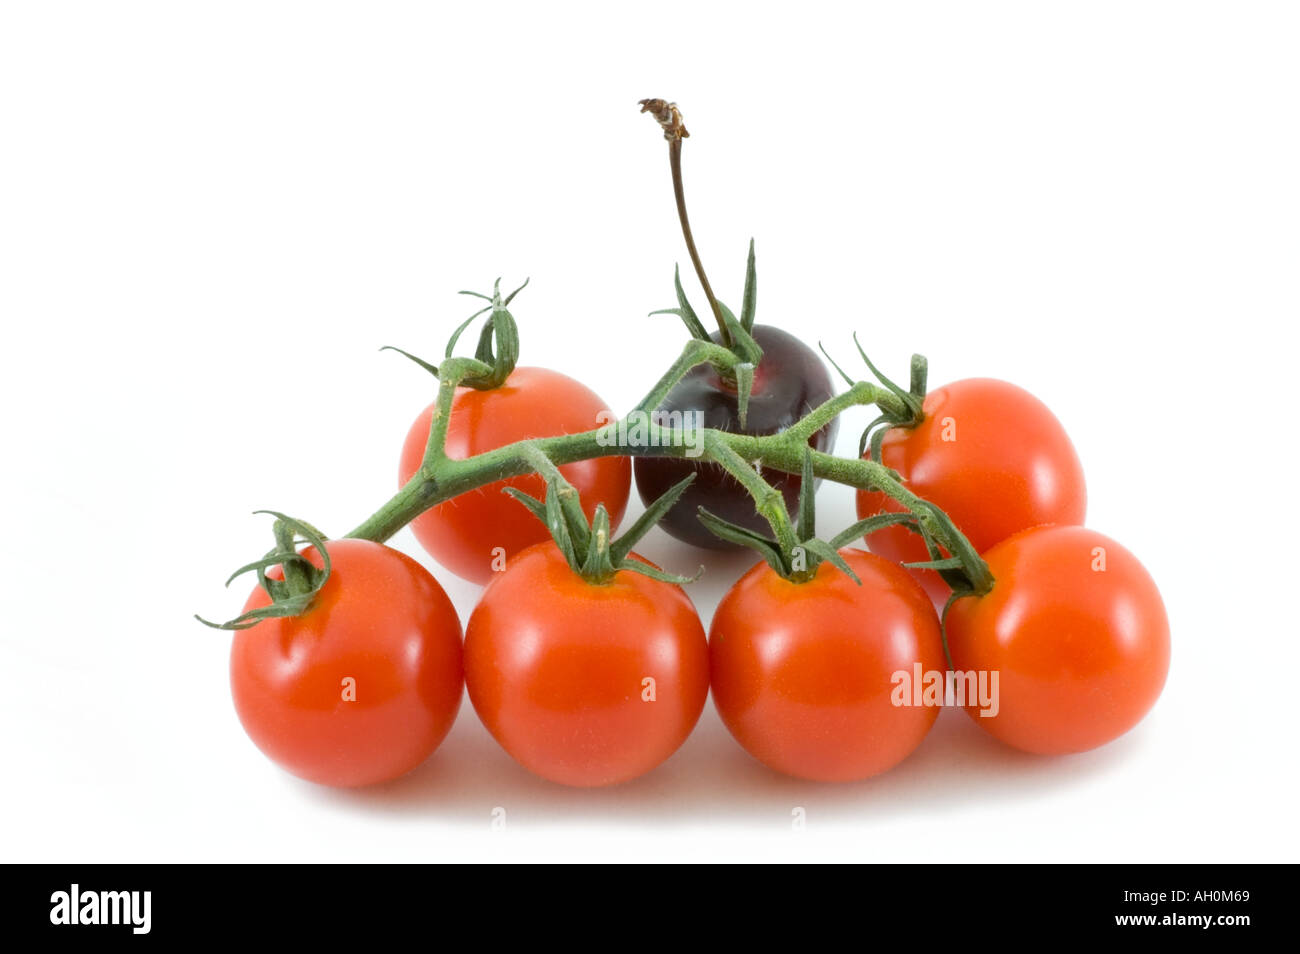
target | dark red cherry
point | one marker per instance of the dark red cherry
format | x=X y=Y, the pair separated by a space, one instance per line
x=789 y=382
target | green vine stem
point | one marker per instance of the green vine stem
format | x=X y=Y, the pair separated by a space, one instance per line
x=768 y=501
x=441 y=478
x=694 y=353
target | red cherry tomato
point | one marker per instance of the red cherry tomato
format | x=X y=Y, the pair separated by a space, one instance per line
x=804 y=674
x=993 y=457
x=585 y=684
x=463 y=534
x=1076 y=630
x=364 y=685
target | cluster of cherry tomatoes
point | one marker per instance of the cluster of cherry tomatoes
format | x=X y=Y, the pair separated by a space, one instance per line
x=590 y=669
x=597 y=683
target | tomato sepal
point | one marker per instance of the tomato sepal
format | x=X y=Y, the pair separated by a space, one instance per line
x=590 y=549
x=749 y=304
x=738 y=338
x=912 y=412
x=496 y=353
x=292 y=595
x=794 y=552
x=767 y=548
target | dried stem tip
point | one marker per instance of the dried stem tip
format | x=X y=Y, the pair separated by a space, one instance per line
x=668 y=116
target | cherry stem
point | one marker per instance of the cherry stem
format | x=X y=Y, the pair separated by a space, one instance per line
x=675 y=161
x=669 y=118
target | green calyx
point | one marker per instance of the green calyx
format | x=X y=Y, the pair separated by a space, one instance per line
x=898 y=408
x=795 y=551
x=964 y=571
x=302 y=580
x=589 y=548
x=497 y=350
x=737 y=334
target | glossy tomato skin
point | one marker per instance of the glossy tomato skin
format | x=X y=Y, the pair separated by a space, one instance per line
x=556 y=669
x=1076 y=630
x=462 y=534
x=380 y=620
x=804 y=673
x=790 y=381
x=993 y=457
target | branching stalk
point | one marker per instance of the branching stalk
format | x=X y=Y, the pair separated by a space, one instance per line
x=441 y=478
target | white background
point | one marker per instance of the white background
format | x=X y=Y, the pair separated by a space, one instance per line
x=212 y=215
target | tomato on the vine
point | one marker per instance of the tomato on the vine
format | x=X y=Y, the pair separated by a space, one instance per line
x=805 y=674
x=581 y=683
x=475 y=533
x=992 y=456
x=362 y=686
x=1077 y=633
x=788 y=382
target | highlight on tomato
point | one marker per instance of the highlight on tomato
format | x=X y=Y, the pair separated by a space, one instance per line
x=363 y=684
x=989 y=454
x=1077 y=632
x=586 y=663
